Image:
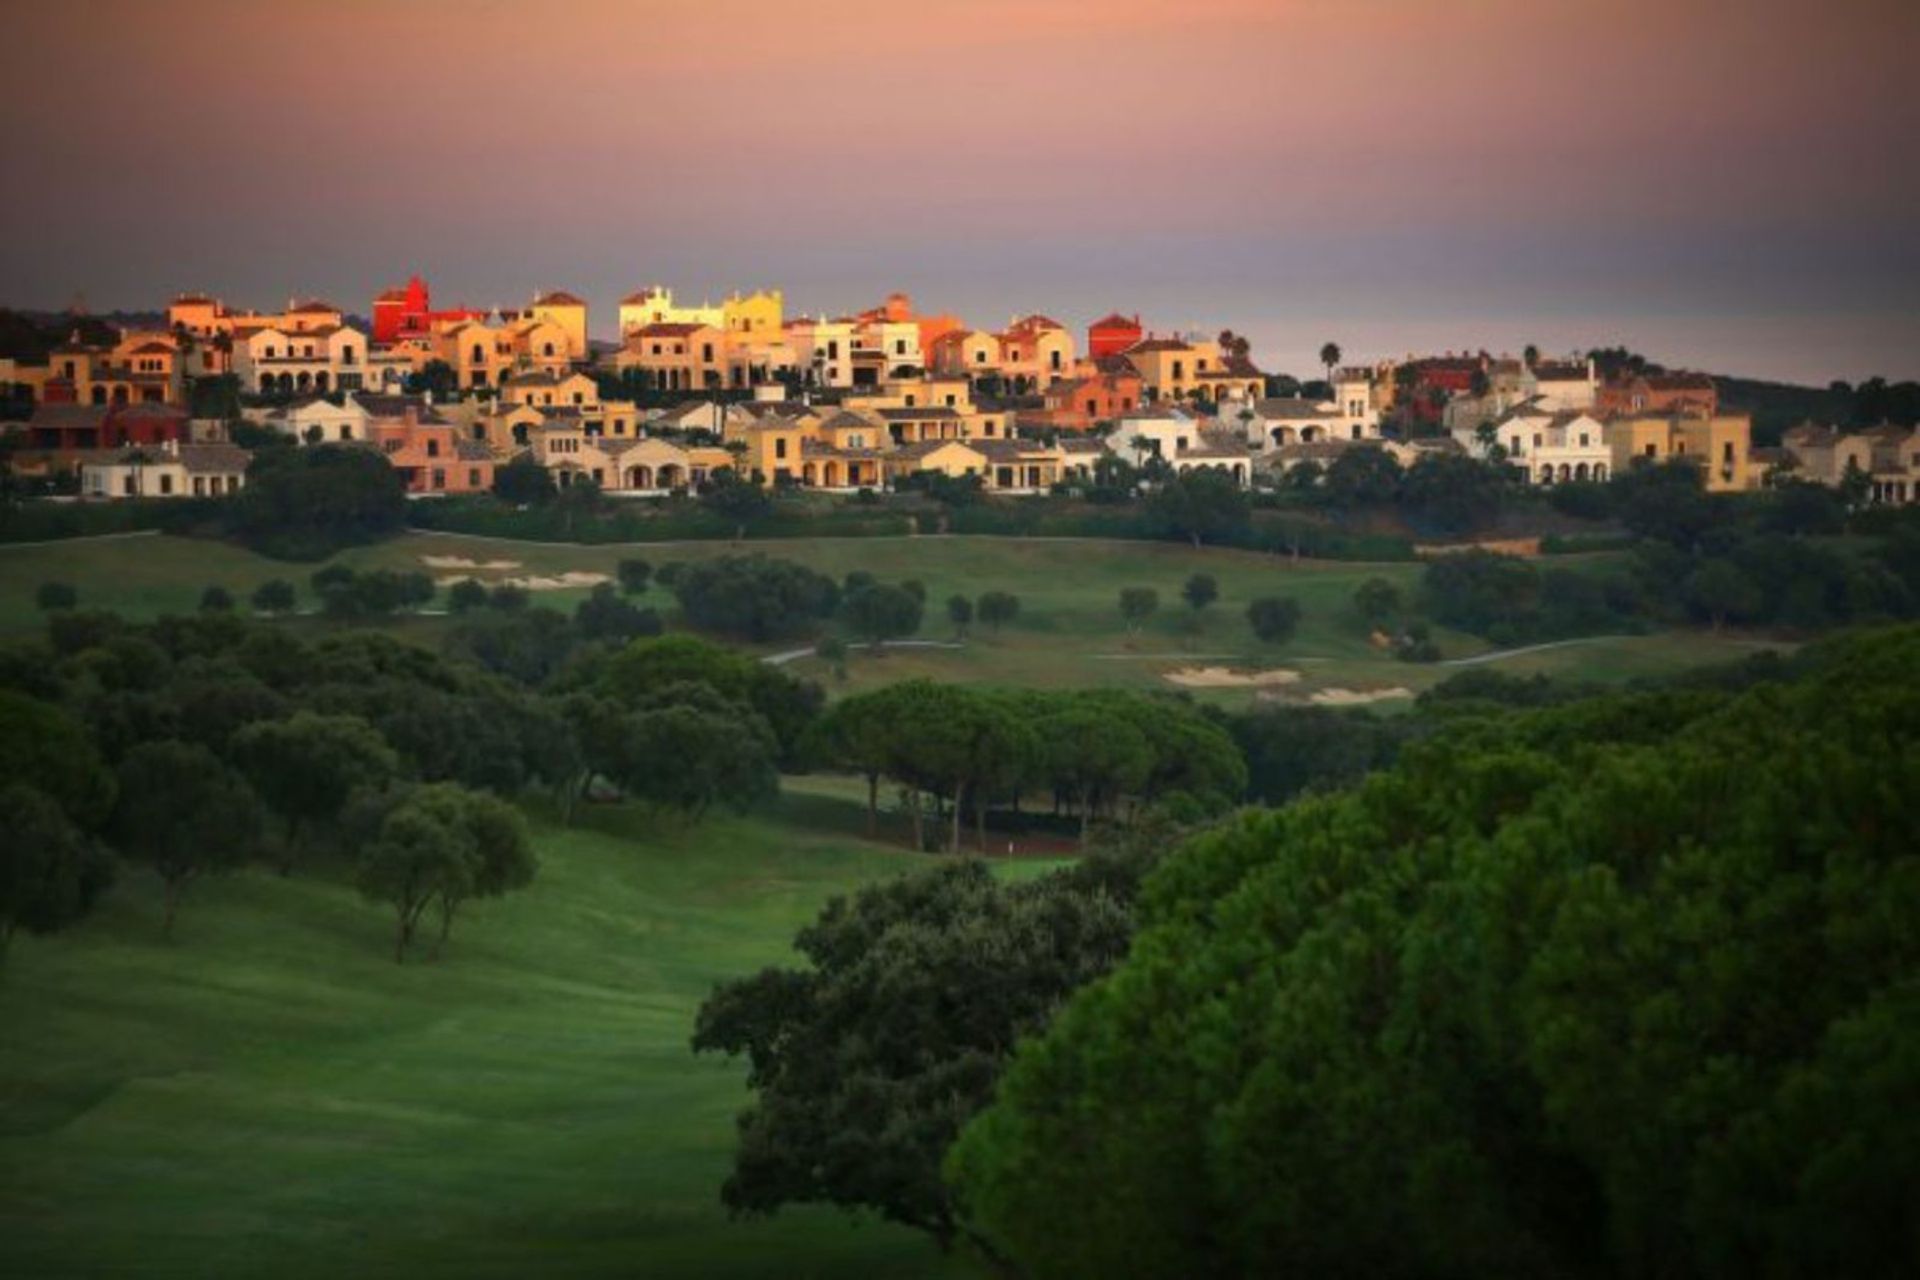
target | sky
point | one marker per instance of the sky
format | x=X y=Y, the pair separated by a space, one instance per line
x=1725 y=184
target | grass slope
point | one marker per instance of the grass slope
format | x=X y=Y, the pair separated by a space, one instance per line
x=270 y=1094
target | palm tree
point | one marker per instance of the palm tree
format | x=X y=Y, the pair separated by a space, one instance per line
x=1531 y=355
x=1330 y=356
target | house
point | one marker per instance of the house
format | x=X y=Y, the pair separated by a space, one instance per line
x=402 y=313
x=313 y=360
x=1720 y=444
x=1547 y=446
x=1272 y=421
x=316 y=420
x=1884 y=459
x=964 y=353
x=1181 y=440
x=1112 y=334
x=1183 y=368
x=567 y=315
x=676 y=357
x=1034 y=351
x=1080 y=404
x=655 y=305
x=1694 y=394
x=66 y=428
x=428 y=450
x=898 y=308
x=544 y=389
x=1561 y=385
x=169 y=470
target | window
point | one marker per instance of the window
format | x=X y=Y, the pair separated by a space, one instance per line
x=780 y=447
x=199 y=486
x=166 y=485
x=439 y=478
x=433 y=448
x=473 y=477
x=346 y=431
x=980 y=356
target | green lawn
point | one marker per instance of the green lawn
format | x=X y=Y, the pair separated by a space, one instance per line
x=1069 y=634
x=270 y=1095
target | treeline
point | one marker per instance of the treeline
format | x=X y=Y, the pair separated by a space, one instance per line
x=1576 y=983
x=193 y=745
x=1772 y=558
x=951 y=750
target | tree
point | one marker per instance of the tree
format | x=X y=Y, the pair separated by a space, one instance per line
x=1719 y=590
x=422 y=855
x=184 y=812
x=633 y=575
x=306 y=766
x=960 y=614
x=51 y=872
x=1364 y=475
x=523 y=482
x=1137 y=604
x=880 y=613
x=866 y=1062
x=737 y=501
x=1202 y=589
x=306 y=503
x=1274 y=618
x=216 y=599
x=56 y=595
x=755 y=597
x=1317 y=1059
x=832 y=650
x=1094 y=754
x=1201 y=504
x=274 y=596
x=997 y=608
x=692 y=757
x=604 y=615
x=1377 y=601
x=1454 y=494
x=1329 y=357
x=46 y=747
x=1531 y=355
x=466 y=595
x=435 y=378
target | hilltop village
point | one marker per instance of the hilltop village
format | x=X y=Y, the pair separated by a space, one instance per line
x=873 y=400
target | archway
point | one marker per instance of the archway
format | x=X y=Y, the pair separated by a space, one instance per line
x=1546 y=475
x=320 y=382
x=303 y=381
x=670 y=477
x=99 y=395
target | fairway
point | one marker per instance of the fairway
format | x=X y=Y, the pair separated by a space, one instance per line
x=269 y=1094
x=1069 y=633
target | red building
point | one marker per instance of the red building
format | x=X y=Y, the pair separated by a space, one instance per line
x=64 y=428
x=1111 y=335
x=409 y=313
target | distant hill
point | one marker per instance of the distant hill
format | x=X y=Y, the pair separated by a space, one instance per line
x=1775 y=406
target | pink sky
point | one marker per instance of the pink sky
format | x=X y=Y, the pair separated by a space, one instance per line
x=1705 y=179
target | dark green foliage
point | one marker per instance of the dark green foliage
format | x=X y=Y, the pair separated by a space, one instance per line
x=1201 y=590
x=276 y=595
x=1274 y=619
x=738 y=501
x=523 y=481
x=604 y=615
x=467 y=595
x=1203 y=504
x=1362 y=476
x=960 y=614
x=1137 y=604
x=51 y=872
x=528 y=646
x=44 y=745
x=754 y=597
x=436 y=847
x=216 y=599
x=1452 y=494
x=305 y=767
x=633 y=575
x=1625 y=987
x=186 y=813
x=1377 y=601
x=997 y=608
x=1292 y=750
x=347 y=596
x=868 y=1061
x=634 y=677
x=303 y=504
x=56 y=595
x=880 y=612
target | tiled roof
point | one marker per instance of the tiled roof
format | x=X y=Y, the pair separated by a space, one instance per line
x=558 y=298
x=1156 y=344
x=921 y=414
x=472 y=451
x=668 y=330
x=1116 y=321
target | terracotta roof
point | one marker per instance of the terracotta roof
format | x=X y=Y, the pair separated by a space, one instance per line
x=313 y=306
x=668 y=330
x=921 y=414
x=1116 y=321
x=1156 y=344
x=921 y=448
x=69 y=415
x=558 y=298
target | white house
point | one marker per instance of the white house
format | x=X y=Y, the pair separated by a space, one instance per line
x=317 y=420
x=1181 y=440
x=1551 y=447
x=169 y=470
x=1269 y=423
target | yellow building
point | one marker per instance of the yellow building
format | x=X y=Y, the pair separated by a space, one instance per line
x=676 y=357
x=566 y=313
x=754 y=315
x=1721 y=445
x=655 y=305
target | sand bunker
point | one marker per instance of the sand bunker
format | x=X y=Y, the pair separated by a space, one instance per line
x=1355 y=697
x=461 y=562
x=563 y=582
x=1227 y=678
